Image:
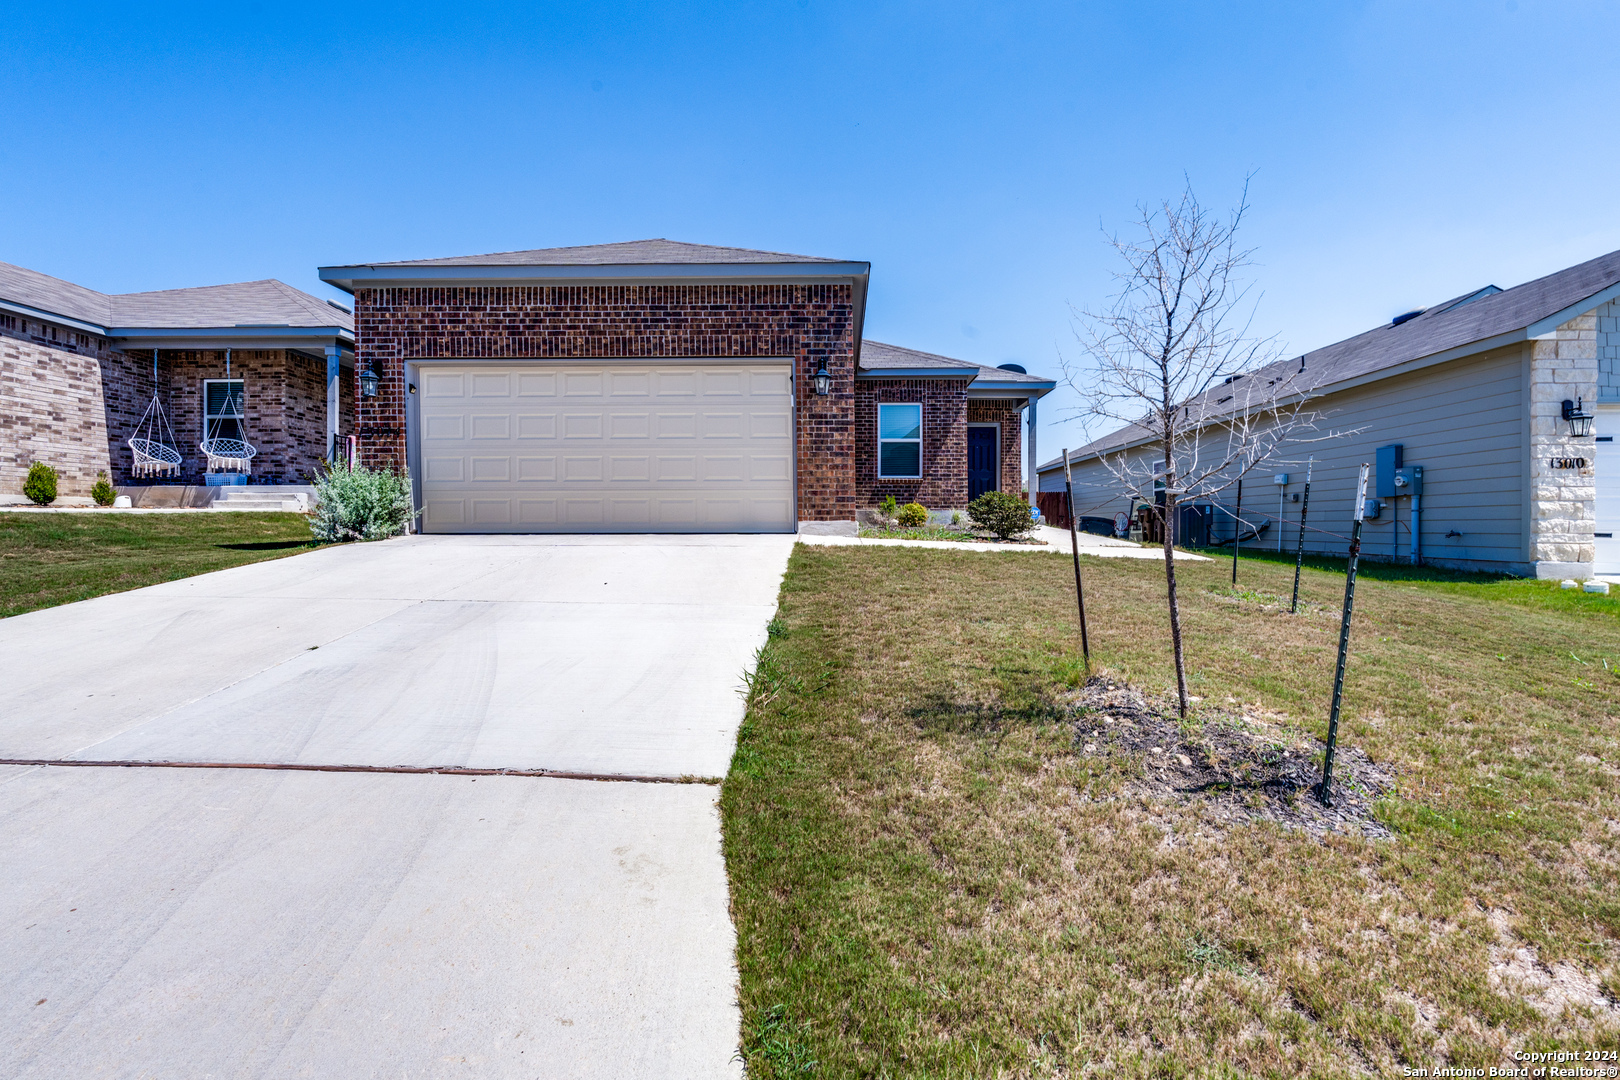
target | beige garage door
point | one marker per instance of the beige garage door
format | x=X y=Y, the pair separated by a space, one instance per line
x=613 y=447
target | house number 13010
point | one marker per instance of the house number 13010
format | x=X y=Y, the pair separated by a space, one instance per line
x=1568 y=463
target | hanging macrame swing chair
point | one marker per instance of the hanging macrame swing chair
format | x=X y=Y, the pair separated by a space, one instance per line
x=153 y=441
x=227 y=455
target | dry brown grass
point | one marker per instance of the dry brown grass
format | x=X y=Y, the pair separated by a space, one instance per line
x=932 y=877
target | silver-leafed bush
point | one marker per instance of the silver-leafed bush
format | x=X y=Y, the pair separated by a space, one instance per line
x=361 y=504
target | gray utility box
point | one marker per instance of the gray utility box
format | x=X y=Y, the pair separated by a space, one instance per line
x=1409 y=480
x=1390 y=459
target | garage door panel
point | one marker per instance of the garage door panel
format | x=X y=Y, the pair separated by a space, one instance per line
x=490 y=426
x=537 y=425
x=437 y=428
x=445 y=469
x=635 y=438
x=582 y=426
x=536 y=469
x=672 y=425
x=445 y=385
x=629 y=426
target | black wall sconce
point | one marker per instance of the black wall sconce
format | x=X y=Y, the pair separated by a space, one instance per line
x=1580 y=421
x=822 y=379
x=369 y=381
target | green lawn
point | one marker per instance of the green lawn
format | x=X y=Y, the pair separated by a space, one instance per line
x=932 y=876
x=48 y=559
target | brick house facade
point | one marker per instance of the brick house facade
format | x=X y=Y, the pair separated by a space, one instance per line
x=76 y=376
x=809 y=324
x=621 y=307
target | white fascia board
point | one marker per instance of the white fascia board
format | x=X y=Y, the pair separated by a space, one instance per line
x=348 y=277
x=1552 y=322
x=964 y=374
x=41 y=315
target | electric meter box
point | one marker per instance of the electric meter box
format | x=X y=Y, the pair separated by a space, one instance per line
x=1390 y=458
x=1409 y=480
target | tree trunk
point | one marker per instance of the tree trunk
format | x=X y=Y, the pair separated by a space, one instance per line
x=1175 y=606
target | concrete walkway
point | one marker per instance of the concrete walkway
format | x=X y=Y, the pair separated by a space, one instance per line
x=261 y=922
x=1102 y=547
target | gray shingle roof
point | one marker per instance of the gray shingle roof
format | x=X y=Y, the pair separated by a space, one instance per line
x=1474 y=318
x=249 y=303
x=658 y=252
x=31 y=288
x=877 y=356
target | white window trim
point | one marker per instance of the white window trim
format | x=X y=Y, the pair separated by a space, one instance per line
x=997 y=426
x=881 y=440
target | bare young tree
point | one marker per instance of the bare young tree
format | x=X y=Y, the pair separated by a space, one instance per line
x=1171 y=359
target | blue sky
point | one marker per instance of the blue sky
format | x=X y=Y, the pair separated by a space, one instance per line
x=1401 y=152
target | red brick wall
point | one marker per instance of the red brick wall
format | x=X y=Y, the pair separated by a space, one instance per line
x=284 y=399
x=805 y=323
x=943 y=485
x=1007 y=414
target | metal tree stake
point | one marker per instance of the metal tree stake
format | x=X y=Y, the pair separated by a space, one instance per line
x=1237 y=529
x=1299 y=555
x=1074 y=546
x=1324 y=790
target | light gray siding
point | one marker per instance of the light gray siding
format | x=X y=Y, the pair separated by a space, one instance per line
x=1465 y=422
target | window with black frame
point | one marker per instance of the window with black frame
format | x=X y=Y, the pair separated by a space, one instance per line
x=223 y=411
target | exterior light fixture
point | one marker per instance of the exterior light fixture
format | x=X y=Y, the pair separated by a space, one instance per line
x=1580 y=421
x=369 y=381
x=822 y=379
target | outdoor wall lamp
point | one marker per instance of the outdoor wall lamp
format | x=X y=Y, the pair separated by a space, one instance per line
x=1580 y=421
x=822 y=379
x=369 y=381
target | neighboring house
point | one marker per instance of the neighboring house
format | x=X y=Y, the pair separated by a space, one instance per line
x=1471 y=390
x=657 y=386
x=79 y=369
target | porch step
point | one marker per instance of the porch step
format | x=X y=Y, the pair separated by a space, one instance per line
x=241 y=499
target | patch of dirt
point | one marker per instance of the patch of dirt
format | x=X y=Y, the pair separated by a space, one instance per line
x=1517 y=971
x=1243 y=766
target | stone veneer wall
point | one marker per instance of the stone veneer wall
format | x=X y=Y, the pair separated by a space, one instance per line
x=1608 y=351
x=1561 y=500
x=69 y=400
x=804 y=323
x=1010 y=417
x=943 y=484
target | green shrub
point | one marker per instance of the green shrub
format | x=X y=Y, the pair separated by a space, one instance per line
x=888 y=507
x=1005 y=515
x=40 y=486
x=102 y=490
x=361 y=504
x=913 y=515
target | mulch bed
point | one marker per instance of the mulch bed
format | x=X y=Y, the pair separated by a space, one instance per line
x=1242 y=766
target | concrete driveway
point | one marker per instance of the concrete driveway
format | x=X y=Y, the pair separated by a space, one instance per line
x=269 y=921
